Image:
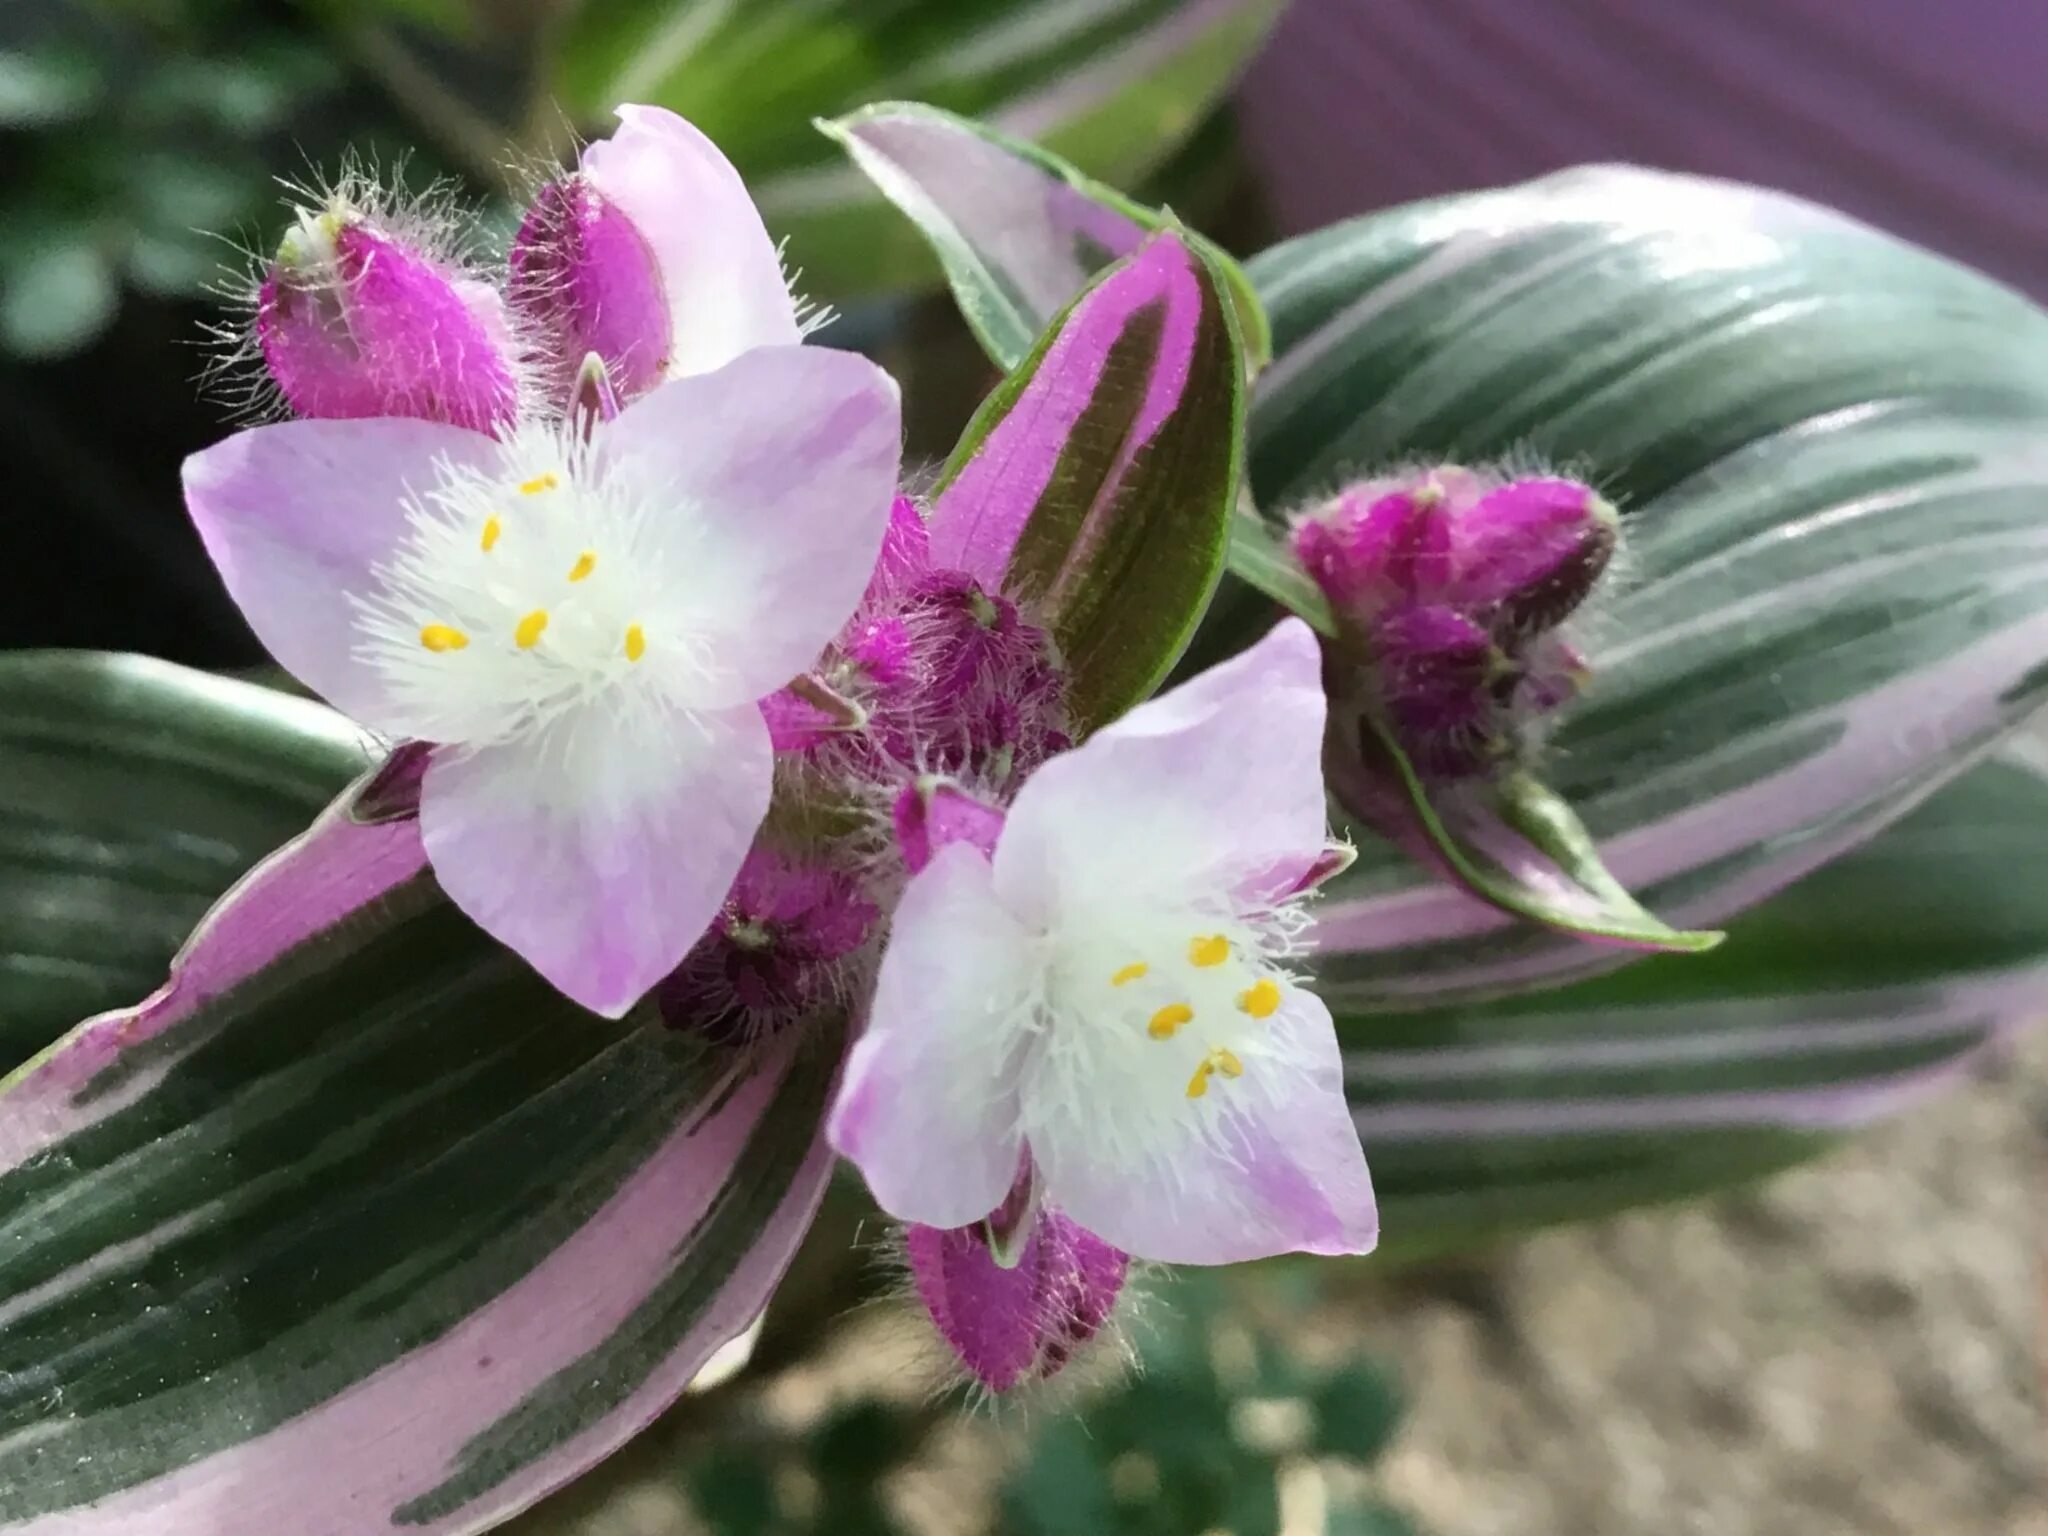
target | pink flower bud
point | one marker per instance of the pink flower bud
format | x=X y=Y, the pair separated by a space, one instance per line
x=356 y=320
x=584 y=277
x=933 y=812
x=1024 y=1322
x=773 y=951
x=1531 y=552
x=1447 y=585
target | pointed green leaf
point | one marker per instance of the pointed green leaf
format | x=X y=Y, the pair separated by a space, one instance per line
x=1096 y=483
x=1018 y=230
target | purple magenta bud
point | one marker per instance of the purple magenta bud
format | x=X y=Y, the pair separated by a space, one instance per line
x=906 y=551
x=356 y=320
x=965 y=635
x=1024 y=1321
x=1531 y=552
x=1369 y=548
x=1446 y=585
x=773 y=952
x=932 y=812
x=586 y=281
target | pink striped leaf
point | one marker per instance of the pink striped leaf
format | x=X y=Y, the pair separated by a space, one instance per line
x=355 y=1224
x=1096 y=483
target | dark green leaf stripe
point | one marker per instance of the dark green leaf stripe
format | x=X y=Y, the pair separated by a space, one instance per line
x=1827 y=1007
x=381 y=1234
x=132 y=794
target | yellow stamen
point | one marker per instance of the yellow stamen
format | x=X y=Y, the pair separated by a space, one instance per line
x=527 y=635
x=1129 y=973
x=538 y=484
x=493 y=527
x=1261 y=999
x=636 y=642
x=1221 y=1060
x=585 y=564
x=1169 y=1019
x=1210 y=949
x=443 y=637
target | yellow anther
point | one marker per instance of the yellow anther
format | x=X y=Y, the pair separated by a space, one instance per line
x=636 y=642
x=493 y=527
x=1169 y=1019
x=1129 y=974
x=527 y=635
x=585 y=564
x=538 y=484
x=1210 y=949
x=1261 y=999
x=1219 y=1060
x=443 y=637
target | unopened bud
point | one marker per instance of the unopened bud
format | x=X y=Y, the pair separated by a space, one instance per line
x=355 y=320
x=1020 y=1321
x=773 y=952
x=585 y=279
x=1447 y=586
x=932 y=812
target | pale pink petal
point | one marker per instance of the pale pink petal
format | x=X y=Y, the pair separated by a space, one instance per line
x=719 y=271
x=1262 y=1164
x=1213 y=786
x=296 y=514
x=781 y=468
x=928 y=1110
x=600 y=847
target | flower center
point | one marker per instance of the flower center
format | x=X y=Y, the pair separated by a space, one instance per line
x=519 y=595
x=1216 y=984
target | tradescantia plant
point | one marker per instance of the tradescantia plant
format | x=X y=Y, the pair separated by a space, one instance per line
x=706 y=805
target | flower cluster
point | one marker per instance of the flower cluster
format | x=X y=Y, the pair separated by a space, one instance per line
x=1449 y=586
x=688 y=711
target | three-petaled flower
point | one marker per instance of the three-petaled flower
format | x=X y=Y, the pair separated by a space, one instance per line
x=1107 y=992
x=581 y=612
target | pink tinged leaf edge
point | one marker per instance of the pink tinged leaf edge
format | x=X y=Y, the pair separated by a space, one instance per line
x=335 y=868
x=984 y=504
x=413 y=1424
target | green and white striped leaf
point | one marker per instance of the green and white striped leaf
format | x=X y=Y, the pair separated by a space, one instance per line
x=1018 y=230
x=1831 y=454
x=355 y=1224
x=1855 y=993
x=1113 y=85
x=132 y=794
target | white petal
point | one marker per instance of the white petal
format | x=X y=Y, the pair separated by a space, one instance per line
x=775 y=475
x=929 y=1107
x=601 y=847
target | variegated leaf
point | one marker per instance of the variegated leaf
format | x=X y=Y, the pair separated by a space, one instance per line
x=355 y=1224
x=1831 y=454
x=1855 y=993
x=1097 y=481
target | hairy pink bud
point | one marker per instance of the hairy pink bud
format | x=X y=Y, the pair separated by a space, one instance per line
x=586 y=281
x=355 y=320
x=773 y=951
x=1447 y=586
x=1020 y=1322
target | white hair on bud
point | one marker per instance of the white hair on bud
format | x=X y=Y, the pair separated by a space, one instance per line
x=438 y=219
